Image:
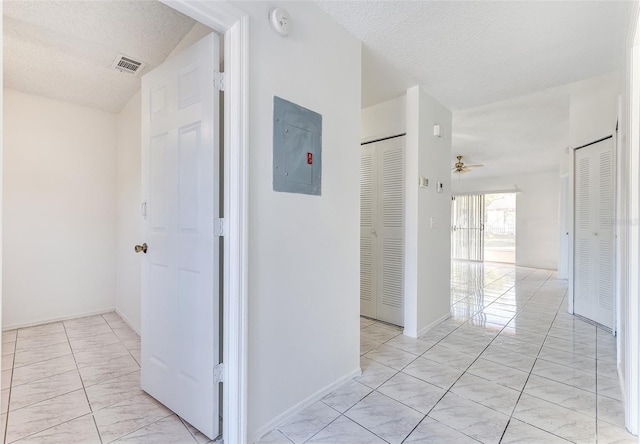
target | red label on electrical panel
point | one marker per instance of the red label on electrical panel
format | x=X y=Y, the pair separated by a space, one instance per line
x=309 y=158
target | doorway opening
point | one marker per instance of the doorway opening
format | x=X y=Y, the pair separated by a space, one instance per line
x=483 y=227
x=500 y=228
x=232 y=23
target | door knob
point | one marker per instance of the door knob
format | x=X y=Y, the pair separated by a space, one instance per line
x=140 y=248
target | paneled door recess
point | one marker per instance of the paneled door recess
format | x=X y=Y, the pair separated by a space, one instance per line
x=382 y=230
x=593 y=276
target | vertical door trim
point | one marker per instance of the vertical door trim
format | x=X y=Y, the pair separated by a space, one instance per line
x=631 y=390
x=229 y=20
x=563 y=254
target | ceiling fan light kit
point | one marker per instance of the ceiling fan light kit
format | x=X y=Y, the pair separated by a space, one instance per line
x=460 y=167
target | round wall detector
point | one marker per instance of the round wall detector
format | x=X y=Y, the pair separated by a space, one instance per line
x=279 y=20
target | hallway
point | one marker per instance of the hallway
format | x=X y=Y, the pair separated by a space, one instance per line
x=510 y=366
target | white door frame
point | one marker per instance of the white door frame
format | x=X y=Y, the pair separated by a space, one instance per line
x=570 y=229
x=231 y=21
x=563 y=256
x=630 y=386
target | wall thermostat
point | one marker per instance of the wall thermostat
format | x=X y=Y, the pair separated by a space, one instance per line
x=279 y=20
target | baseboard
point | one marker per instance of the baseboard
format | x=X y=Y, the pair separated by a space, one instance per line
x=433 y=324
x=317 y=396
x=128 y=322
x=49 y=321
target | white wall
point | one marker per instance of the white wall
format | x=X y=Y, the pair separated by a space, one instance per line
x=59 y=205
x=384 y=119
x=537 y=226
x=427 y=249
x=196 y=33
x=127 y=298
x=428 y=214
x=303 y=250
x=592 y=116
x=593 y=110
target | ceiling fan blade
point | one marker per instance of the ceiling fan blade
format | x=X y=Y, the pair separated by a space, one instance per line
x=478 y=165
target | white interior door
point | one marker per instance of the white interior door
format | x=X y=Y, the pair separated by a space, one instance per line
x=180 y=185
x=382 y=230
x=390 y=301
x=594 y=289
x=368 y=243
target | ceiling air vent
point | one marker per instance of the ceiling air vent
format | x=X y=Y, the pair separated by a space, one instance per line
x=127 y=64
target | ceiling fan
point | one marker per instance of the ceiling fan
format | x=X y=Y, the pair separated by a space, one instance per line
x=459 y=167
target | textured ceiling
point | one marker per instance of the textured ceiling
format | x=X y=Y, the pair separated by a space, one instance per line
x=522 y=135
x=471 y=53
x=64 y=49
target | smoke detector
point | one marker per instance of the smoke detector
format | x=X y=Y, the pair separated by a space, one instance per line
x=127 y=64
x=279 y=21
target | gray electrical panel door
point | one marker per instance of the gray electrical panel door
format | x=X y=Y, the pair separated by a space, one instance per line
x=297 y=148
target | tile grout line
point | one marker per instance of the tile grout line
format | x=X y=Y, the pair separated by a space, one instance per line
x=144 y=426
x=464 y=371
x=6 y=419
x=478 y=357
x=56 y=425
x=185 y=426
x=470 y=365
x=530 y=371
x=84 y=389
x=487 y=346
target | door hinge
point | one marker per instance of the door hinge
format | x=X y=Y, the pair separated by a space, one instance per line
x=218 y=80
x=218 y=373
x=218 y=227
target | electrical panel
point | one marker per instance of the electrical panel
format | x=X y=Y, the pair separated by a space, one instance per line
x=297 y=148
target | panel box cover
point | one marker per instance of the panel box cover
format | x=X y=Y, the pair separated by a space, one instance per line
x=297 y=148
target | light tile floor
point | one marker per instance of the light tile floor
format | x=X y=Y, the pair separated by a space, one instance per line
x=509 y=366
x=78 y=381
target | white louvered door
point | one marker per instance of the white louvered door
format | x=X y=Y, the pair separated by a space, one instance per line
x=594 y=289
x=382 y=231
x=368 y=213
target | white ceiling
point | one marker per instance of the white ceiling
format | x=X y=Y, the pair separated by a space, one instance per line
x=503 y=67
x=64 y=49
x=526 y=134
x=470 y=53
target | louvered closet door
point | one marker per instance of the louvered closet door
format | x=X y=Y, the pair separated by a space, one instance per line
x=390 y=302
x=382 y=230
x=368 y=244
x=594 y=240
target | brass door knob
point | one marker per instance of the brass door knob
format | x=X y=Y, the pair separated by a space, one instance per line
x=140 y=248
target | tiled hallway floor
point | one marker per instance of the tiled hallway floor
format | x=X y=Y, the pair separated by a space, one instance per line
x=78 y=381
x=510 y=366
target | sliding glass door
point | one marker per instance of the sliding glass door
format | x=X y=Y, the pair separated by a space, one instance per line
x=500 y=228
x=467 y=224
